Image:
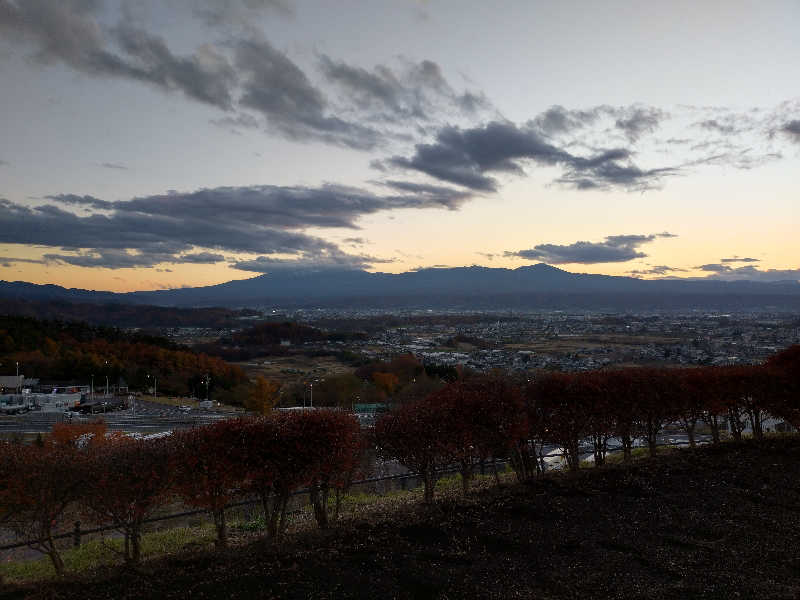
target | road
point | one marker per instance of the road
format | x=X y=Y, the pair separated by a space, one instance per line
x=150 y=417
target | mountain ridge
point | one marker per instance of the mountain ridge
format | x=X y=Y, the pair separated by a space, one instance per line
x=482 y=286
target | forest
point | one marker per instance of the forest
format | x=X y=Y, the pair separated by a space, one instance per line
x=68 y=351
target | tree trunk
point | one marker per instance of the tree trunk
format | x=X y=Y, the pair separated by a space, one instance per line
x=496 y=472
x=271 y=513
x=136 y=546
x=466 y=475
x=319 y=500
x=222 y=528
x=652 y=432
x=572 y=450
x=599 y=446
x=627 y=446
x=755 y=423
x=53 y=553
x=284 y=500
x=339 y=495
x=430 y=483
x=713 y=423
x=735 y=424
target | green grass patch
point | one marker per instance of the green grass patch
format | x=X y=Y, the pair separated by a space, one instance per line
x=96 y=553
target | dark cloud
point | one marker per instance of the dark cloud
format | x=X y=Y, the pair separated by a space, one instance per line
x=167 y=228
x=749 y=273
x=557 y=119
x=206 y=76
x=69 y=32
x=656 y=270
x=116 y=166
x=9 y=260
x=4 y=163
x=715 y=268
x=416 y=91
x=310 y=262
x=735 y=259
x=792 y=129
x=217 y=13
x=201 y=258
x=635 y=121
x=277 y=88
x=615 y=248
x=465 y=156
x=429 y=195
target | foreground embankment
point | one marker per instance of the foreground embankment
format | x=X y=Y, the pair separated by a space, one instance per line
x=714 y=522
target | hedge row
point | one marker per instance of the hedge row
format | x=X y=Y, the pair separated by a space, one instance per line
x=121 y=481
x=471 y=421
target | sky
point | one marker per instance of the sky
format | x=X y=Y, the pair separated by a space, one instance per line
x=156 y=144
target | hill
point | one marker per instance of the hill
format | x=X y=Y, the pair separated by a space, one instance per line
x=709 y=523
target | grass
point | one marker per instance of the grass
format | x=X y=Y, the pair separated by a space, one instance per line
x=96 y=553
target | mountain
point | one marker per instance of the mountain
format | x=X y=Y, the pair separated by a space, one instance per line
x=540 y=285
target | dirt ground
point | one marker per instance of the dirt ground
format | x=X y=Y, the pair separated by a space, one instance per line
x=708 y=523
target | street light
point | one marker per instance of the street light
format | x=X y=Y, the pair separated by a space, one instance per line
x=207 y=380
x=106 y=369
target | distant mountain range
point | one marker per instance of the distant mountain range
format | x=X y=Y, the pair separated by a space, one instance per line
x=536 y=286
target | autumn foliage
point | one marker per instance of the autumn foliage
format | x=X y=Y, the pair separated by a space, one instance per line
x=121 y=481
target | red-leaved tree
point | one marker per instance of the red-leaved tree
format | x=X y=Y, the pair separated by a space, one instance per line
x=210 y=469
x=37 y=485
x=127 y=480
x=414 y=435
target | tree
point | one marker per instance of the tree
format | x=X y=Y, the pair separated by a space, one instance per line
x=286 y=451
x=37 y=485
x=210 y=469
x=565 y=404
x=264 y=395
x=127 y=480
x=414 y=435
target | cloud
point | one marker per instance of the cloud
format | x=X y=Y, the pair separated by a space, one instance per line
x=615 y=248
x=414 y=91
x=201 y=258
x=792 y=129
x=321 y=261
x=9 y=260
x=715 y=268
x=638 y=120
x=69 y=32
x=277 y=88
x=166 y=228
x=656 y=270
x=735 y=259
x=4 y=163
x=557 y=119
x=466 y=156
x=117 y=166
x=749 y=273
x=222 y=13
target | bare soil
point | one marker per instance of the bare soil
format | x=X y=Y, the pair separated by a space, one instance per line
x=715 y=522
